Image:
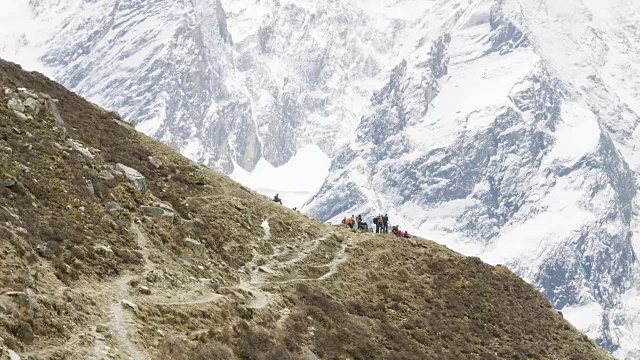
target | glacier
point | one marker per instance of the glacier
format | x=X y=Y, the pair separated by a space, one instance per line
x=504 y=129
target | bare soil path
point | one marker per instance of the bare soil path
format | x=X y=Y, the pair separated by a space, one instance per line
x=120 y=339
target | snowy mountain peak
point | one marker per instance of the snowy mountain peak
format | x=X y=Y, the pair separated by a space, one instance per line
x=504 y=129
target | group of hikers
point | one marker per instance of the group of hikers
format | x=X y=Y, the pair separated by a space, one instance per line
x=356 y=222
x=381 y=223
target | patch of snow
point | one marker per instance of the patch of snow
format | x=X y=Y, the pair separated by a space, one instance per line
x=577 y=135
x=587 y=318
x=296 y=181
x=13 y=355
x=19 y=30
x=267 y=229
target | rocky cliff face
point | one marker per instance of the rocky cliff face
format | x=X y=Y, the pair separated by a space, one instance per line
x=491 y=140
x=167 y=64
x=505 y=129
x=226 y=82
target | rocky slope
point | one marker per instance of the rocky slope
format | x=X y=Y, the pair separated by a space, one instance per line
x=505 y=129
x=117 y=247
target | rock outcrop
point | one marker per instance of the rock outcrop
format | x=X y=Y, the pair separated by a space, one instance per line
x=137 y=179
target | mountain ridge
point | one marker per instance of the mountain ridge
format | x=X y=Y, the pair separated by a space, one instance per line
x=521 y=152
x=118 y=247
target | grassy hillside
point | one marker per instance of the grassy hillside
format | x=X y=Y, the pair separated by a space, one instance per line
x=114 y=246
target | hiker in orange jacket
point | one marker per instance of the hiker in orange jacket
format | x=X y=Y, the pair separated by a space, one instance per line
x=351 y=222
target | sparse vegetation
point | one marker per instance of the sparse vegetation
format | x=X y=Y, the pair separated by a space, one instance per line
x=206 y=281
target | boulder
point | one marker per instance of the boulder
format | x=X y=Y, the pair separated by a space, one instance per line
x=90 y=187
x=12 y=355
x=20 y=115
x=129 y=304
x=151 y=211
x=115 y=115
x=191 y=225
x=53 y=109
x=138 y=181
x=101 y=329
x=4 y=309
x=159 y=211
x=11 y=94
x=155 y=162
x=165 y=206
x=194 y=245
x=106 y=175
x=144 y=290
x=43 y=251
x=7 y=182
x=199 y=174
x=103 y=250
x=15 y=105
x=26 y=94
x=215 y=284
x=266 y=270
x=20 y=297
x=125 y=125
x=113 y=208
x=32 y=105
x=76 y=146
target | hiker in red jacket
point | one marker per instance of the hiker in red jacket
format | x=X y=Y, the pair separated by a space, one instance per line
x=396 y=231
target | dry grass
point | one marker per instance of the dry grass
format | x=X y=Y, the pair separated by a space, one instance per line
x=61 y=222
x=389 y=300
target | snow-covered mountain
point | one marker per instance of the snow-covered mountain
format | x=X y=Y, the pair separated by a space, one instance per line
x=503 y=128
x=512 y=137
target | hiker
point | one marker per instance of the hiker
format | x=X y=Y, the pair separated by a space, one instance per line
x=385 y=218
x=406 y=235
x=277 y=199
x=350 y=222
x=375 y=222
x=381 y=224
x=396 y=231
x=344 y=221
x=362 y=225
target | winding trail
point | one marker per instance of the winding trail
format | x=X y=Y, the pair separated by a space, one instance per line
x=338 y=259
x=122 y=324
x=125 y=342
x=256 y=279
x=100 y=349
x=208 y=299
x=306 y=252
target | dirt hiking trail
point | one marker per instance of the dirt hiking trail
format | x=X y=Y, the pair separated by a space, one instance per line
x=117 y=334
